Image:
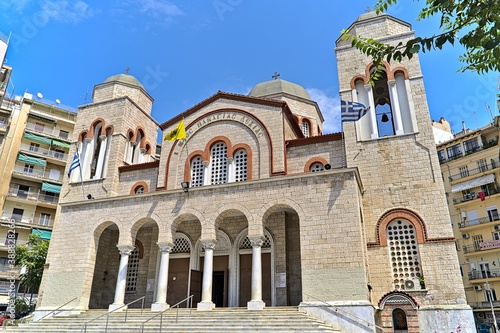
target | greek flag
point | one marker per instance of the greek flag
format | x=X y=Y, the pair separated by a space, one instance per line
x=352 y=111
x=75 y=164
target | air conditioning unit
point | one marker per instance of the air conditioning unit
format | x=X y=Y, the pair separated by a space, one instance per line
x=497 y=227
x=412 y=284
x=465 y=236
x=478 y=288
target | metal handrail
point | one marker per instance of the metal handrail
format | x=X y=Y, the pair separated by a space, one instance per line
x=84 y=329
x=58 y=308
x=348 y=314
x=176 y=305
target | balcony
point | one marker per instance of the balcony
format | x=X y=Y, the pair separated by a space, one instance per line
x=45 y=152
x=473 y=196
x=479 y=221
x=34 y=196
x=47 y=130
x=471 y=248
x=18 y=218
x=494 y=163
x=476 y=274
x=49 y=175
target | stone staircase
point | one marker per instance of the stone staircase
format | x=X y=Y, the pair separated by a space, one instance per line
x=227 y=320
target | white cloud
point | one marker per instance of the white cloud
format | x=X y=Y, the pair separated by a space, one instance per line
x=330 y=107
x=67 y=11
x=159 y=8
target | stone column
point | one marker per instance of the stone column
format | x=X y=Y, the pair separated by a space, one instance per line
x=161 y=290
x=396 y=110
x=371 y=112
x=121 y=281
x=206 y=303
x=256 y=302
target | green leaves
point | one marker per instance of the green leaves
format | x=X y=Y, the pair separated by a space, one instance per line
x=477 y=22
x=32 y=256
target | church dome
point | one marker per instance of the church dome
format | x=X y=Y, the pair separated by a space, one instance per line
x=125 y=78
x=277 y=87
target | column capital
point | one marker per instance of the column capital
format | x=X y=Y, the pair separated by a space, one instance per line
x=391 y=83
x=125 y=249
x=102 y=137
x=229 y=159
x=209 y=244
x=256 y=240
x=165 y=247
x=87 y=140
x=205 y=163
x=368 y=87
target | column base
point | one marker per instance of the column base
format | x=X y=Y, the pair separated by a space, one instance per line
x=374 y=136
x=205 y=306
x=256 y=305
x=159 y=307
x=114 y=306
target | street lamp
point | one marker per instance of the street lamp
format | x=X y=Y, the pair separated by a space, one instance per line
x=490 y=298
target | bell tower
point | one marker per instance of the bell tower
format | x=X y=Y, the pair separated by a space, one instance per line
x=115 y=130
x=407 y=228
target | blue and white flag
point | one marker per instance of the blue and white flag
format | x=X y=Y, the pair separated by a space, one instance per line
x=75 y=164
x=352 y=111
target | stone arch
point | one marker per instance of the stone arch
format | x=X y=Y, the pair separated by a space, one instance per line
x=401 y=70
x=400 y=302
x=229 y=209
x=188 y=214
x=385 y=65
x=281 y=204
x=358 y=78
x=142 y=221
x=400 y=213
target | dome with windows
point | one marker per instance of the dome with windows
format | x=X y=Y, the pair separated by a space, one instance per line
x=279 y=86
x=125 y=78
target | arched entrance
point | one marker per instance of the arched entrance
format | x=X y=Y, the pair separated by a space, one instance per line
x=106 y=266
x=397 y=312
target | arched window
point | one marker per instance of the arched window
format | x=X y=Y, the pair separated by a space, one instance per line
x=96 y=147
x=306 y=128
x=136 y=148
x=240 y=165
x=197 y=171
x=399 y=320
x=383 y=106
x=315 y=167
x=218 y=163
x=133 y=268
x=139 y=190
x=404 y=254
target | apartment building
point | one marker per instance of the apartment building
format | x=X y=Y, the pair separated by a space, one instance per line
x=470 y=167
x=35 y=137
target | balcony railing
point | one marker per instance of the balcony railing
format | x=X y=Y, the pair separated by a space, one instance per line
x=44 y=174
x=24 y=218
x=476 y=274
x=471 y=248
x=473 y=222
x=36 y=196
x=473 y=196
x=468 y=151
x=46 y=152
x=493 y=164
x=47 y=130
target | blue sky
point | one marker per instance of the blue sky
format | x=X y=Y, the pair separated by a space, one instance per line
x=185 y=51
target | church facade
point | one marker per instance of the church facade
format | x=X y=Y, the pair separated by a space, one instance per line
x=258 y=208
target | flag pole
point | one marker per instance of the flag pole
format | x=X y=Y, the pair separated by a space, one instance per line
x=81 y=172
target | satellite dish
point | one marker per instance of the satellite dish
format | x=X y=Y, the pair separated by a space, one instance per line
x=58 y=101
x=39 y=95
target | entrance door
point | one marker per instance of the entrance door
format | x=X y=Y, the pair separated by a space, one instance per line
x=178 y=278
x=218 y=289
x=195 y=286
x=484 y=267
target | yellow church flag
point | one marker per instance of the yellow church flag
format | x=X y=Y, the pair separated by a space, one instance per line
x=179 y=132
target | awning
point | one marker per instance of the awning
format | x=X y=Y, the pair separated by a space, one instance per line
x=60 y=144
x=37 y=138
x=32 y=160
x=44 y=234
x=483 y=180
x=47 y=187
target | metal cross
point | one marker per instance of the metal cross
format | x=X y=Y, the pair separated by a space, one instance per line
x=126 y=70
x=275 y=76
x=368 y=9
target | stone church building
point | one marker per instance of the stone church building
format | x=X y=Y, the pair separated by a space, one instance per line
x=258 y=208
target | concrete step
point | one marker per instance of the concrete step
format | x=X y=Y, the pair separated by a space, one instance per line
x=228 y=320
